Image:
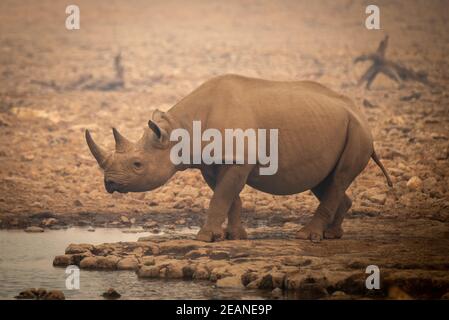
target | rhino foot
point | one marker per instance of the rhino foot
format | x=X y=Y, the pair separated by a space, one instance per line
x=236 y=233
x=210 y=235
x=308 y=233
x=333 y=233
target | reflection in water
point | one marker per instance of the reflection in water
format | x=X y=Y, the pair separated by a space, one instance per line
x=26 y=262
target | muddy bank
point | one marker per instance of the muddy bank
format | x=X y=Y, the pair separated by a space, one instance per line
x=411 y=255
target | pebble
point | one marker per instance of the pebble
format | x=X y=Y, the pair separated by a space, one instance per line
x=111 y=294
x=34 y=229
x=414 y=183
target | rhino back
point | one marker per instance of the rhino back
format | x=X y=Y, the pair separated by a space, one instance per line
x=312 y=124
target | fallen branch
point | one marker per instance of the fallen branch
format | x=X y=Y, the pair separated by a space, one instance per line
x=392 y=70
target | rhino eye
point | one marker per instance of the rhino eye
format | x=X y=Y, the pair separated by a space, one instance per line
x=137 y=164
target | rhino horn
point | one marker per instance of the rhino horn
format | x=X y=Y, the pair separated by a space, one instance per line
x=98 y=152
x=121 y=143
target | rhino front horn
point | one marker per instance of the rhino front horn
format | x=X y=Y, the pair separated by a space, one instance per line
x=121 y=143
x=99 y=154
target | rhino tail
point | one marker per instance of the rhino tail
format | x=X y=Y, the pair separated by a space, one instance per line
x=381 y=166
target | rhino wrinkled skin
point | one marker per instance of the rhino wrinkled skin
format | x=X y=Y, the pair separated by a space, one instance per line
x=324 y=143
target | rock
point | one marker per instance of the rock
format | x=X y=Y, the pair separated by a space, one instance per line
x=180 y=222
x=397 y=293
x=148 y=272
x=77 y=203
x=368 y=104
x=128 y=263
x=132 y=220
x=27 y=294
x=111 y=294
x=188 y=271
x=172 y=271
x=124 y=220
x=63 y=260
x=27 y=157
x=340 y=295
x=445 y=296
x=291 y=225
x=91 y=229
x=377 y=198
x=219 y=255
x=150 y=224
x=147 y=261
x=34 y=229
x=296 y=261
x=41 y=294
x=201 y=273
x=277 y=293
x=230 y=282
x=249 y=277
x=312 y=290
x=100 y=263
x=195 y=254
x=49 y=222
x=54 y=295
x=78 y=248
x=414 y=183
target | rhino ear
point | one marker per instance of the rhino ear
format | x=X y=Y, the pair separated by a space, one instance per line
x=156 y=126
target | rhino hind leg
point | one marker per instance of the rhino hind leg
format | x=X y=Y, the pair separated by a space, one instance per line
x=334 y=202
x=335 y=230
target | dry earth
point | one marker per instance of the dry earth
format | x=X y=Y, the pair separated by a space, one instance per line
x=56 y=83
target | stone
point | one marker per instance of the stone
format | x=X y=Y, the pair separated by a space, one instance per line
x=377 y=198
x=201 y=273
x=296 y=261
x=180 y=222
x=414 y=183
x=277 y=293
x=147 y=261
x=100 y=263
x=128 y=263
x=148 y=272
x=111 y=294
x=91 y=229
x=173 y=270
x=63 y=260
x=124 y=220
x=78 y=248
x=396 y=293
x=54 y=295
x=41 y=294
x=26 y=294
x=230 y=282
x=34 y=229
x=49 y=222
x=219 y=255
x=150 y=224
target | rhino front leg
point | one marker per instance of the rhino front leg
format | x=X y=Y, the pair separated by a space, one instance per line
x=230 y=181
x=235 y=229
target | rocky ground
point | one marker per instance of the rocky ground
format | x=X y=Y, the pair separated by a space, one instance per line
x=56 y=83
x=411 y=266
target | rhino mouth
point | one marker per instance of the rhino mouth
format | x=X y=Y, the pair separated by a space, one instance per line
x=112 y=186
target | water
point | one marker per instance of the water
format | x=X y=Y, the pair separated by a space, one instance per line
x=26 y=262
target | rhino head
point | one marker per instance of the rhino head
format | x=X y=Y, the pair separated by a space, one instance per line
x=136 y=167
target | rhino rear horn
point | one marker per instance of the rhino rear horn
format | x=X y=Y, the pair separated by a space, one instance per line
x=121 y=143
x=98 y=152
